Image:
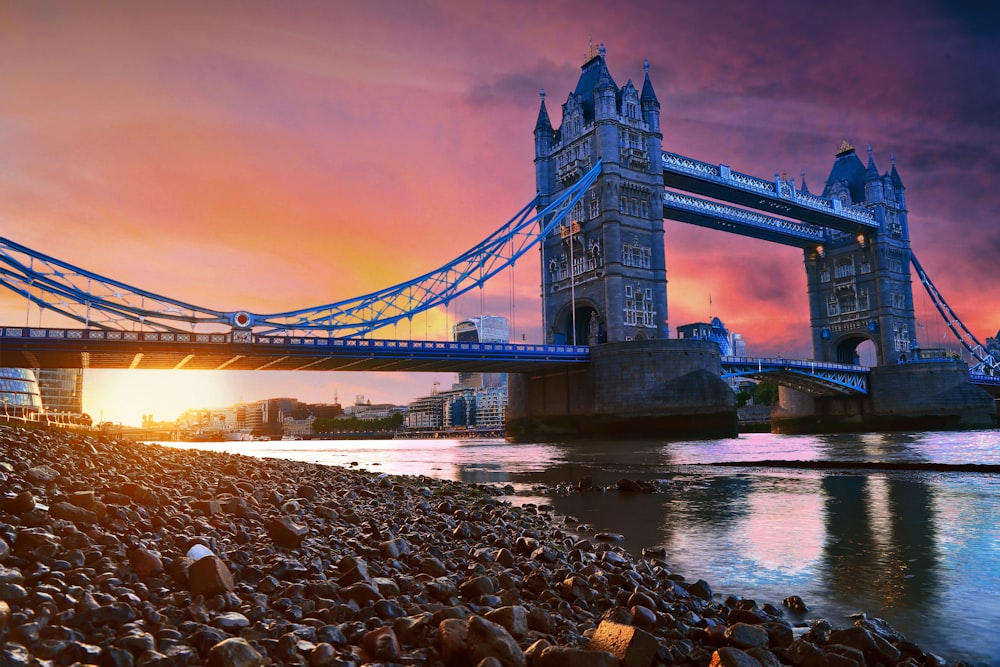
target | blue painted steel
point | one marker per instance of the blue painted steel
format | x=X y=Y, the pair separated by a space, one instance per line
x=97 y=301
x=713 y=215
x=987 y=364
x=814 y=377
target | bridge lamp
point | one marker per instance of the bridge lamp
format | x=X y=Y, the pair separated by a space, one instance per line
x=821 y=251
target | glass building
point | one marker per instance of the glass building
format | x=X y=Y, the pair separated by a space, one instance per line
x=61 y=389
x=19 y=393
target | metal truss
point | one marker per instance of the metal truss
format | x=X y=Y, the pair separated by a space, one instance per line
x=102 y=303
x=706 y=213
x=987 y=363
x=810 y=377
x=778 y=188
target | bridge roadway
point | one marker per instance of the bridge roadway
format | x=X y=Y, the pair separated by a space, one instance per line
x=26 y=347
x=23 y=347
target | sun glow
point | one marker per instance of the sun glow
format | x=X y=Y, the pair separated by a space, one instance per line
x=125 y=397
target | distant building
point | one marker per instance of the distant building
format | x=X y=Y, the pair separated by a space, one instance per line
x=19 y=393
x=61 y=389
x=730 y=344
x=485 y=329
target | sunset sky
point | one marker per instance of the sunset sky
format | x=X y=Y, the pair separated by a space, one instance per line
x=268 y=156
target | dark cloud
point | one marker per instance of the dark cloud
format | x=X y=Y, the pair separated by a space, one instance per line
x=521 y=88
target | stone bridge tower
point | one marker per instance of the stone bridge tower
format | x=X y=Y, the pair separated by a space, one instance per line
x=603 y=271
x=859 y=286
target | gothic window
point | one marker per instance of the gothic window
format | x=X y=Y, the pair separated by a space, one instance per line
x=639 y=309
x=845 y=268
x=824 y=274
x=636 y=255
x=622 y=204
x=848 y=304
x=901 y=338
x=863 y=299
x=595 y=205
x=645 y=208
x=832 y=306
x=895 y=263
x=866 y=265
x=633 y=206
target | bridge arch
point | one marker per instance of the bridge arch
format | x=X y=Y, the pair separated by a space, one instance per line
x=857 y=349
x=590 y=324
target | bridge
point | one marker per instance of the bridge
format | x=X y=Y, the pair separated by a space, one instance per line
x=597 y=224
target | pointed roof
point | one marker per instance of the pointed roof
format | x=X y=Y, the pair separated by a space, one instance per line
x=594 y=75
x=894 y=175
x=805 y=188
x=849 y=169
x=871 y=173
x=648 y=96
x=543 y=123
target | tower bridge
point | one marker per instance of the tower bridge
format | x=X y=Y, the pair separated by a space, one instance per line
x=607 y=365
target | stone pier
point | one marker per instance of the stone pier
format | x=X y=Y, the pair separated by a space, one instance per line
x=930 y=395
x=664 y=389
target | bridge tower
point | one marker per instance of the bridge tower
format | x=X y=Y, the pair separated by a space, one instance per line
x=859 y=286
x=603 y=271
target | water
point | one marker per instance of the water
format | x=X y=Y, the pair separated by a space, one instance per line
x=919 y=549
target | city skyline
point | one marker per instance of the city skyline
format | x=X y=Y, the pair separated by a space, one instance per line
x=262 y=157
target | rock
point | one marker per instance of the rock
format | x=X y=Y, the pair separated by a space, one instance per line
x=394 y=548
x=795 y=603
x=513 y=618
x=209 y=507
x=743 y=636
x=488 y=639
x=42 y=473
x=381 y=644
x=145 y=563
x=208 y=576
x=234 y=652
x=569 y=656
x=453 y=642
x=323 y=654
x=633 y=646
x=231 y=621
x=732 y=657
x=701 y=589
x=805 y=654
x=285 y=532
x=4 y=616
x=764 y=657
x=475 y=588
x=21 y=503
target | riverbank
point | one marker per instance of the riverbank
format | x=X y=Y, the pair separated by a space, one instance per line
x=99 y=562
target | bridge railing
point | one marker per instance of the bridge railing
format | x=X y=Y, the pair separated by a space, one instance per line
x=798 y=364
x=241 y=337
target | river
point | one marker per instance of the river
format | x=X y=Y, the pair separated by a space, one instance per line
x=918 y=548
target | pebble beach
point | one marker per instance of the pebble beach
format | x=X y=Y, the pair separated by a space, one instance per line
x=121 y=553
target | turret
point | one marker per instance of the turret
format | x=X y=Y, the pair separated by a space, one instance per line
x=543 y=130
x=874 y=193
x=650 y=105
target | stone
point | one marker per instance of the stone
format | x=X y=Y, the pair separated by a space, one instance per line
x=362 y=593
x=85 y=499
x=569 y=656
x=453 y=642
x=477 y=587
x=394 y=548
x=20 y=504
x=323 y=654
x=285 y=532
x=4 y=616
x=744 y=635
x=795 y=603
x=488 y=639
x=42 y=473
x=633 y=646
x=231 y=621
x=805 y=654
x=513 y=618
x=234 y=652
x=701 y=589
x=209 y=507
x=643 y=617
x=728 y=656
x=145 y=563
x=208 y=576
x=381 y=644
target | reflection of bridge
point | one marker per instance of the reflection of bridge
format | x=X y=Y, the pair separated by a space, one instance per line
x=604 y=187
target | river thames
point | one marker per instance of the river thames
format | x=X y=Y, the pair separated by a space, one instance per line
x=919 y=548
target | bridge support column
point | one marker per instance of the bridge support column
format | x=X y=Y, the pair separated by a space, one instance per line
x=920 y=396
x=661 y=388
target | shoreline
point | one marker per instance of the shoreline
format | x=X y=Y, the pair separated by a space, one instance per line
x=323 y=565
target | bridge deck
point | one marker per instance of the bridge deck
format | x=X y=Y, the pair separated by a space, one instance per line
x=88 y=348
